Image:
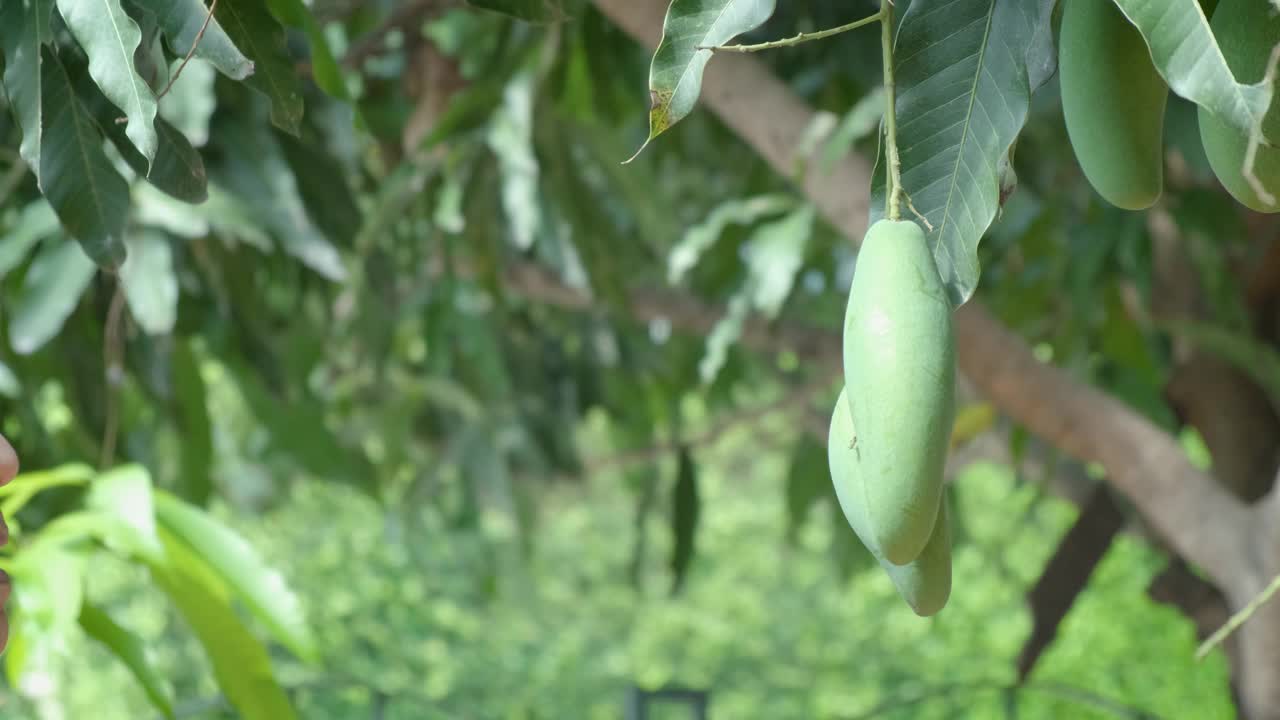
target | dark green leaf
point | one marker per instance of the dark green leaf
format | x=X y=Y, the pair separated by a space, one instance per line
x=965 y=71
x=675 y=75
x=262 y=588
x=686 y=506
x=50 y=291
x=24 y=28
x=130 y=650
x=241 y=664
x=538 y=11
x=89 y=196
x=110 y=37
x=808 y=481
x=181 y=20
x=253 y=29
x=196 y=482
x=324 y=68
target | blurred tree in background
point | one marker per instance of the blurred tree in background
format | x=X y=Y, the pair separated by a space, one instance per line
x=354 y=375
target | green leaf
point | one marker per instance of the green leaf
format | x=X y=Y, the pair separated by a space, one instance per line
x=536 y=11
x=808 y=481
x=130 y=650
x=125 y=495
x=29 y=484
x=511 y=139
x=181 y=20
x=262 y=588
x=50 y=291
x=253 y=29
x=965 y=71
x=24 y=28
x=110 y=38
x=89 y=196
x=1188 y=58
x=774 y=256
x=36 y=222
x=150 y=283
x=726 y=332
x=48 y=586
x=241 y=664
x=10 y=385
x=686 y=507
x=324 y=68
x=196 y=482
x=675 y=75
x=699 y=238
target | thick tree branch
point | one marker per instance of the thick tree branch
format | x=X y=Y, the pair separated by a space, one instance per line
x=1200 y=520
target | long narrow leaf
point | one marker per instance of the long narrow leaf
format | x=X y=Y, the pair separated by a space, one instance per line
x=130 y=650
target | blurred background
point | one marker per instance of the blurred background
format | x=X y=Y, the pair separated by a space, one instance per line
x=453 y=415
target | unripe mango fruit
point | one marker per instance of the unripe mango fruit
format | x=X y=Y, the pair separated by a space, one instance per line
x=1246 y=31
x=925 y=583
x=1113 y=101
x=899 y=367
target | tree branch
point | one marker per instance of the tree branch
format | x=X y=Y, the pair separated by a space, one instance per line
x=1201 y=521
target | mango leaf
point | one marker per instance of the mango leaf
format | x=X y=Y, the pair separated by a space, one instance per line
x=50 y=291
x=262 y=588
x=725 y=333
x=110 y=37
x=196 y=482
x=130 y=650
x=18 y=493
x=253 y=29
x=125 y=495
x=24 y=28
x=190 y=103
x=181 y=20
x=324 y=68
x=48 y=586
x=89 y=196
x=36 y=222
x=150 y=283
x=686 y=507
x=241 y=664
x=535 y=11
x=511 y=139
x=699 y=238
x=675 y=75
x=965 y=71
x=1188 y=58
x=808 y=481
x=774 y=256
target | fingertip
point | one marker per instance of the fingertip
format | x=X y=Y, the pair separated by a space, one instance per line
x=8 y=461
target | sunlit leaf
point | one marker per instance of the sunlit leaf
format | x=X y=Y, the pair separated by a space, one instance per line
x=774 y=256
x=150 y=283
x=125 y=495
x=675 y=75
x=511 y=138
x=700 y=237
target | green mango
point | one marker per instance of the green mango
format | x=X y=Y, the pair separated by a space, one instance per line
x=1113 y=101
x=925 y=583
x=899 y=367
x=1246 y=31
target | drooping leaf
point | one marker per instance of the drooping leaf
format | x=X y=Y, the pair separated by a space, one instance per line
x=536 y=11
x=1187 y=56
x=808 y=481
x=774 y=256
x=181 y=20
x=50 y=291
x=323 y=188
x=258 y=34
x=240 y=662
x=125 y=495
x=725 y=333
x=965 y=71
x=150 y=283
x=89 y=196
x=324 y=68
x=36 y=222
x=261 y=587
x=699 y=238
x=110 y=37
x=511 y=139
x=686 y=507
x=24 y=28
x=196 y=483
x=675 y=75
x=130 y=650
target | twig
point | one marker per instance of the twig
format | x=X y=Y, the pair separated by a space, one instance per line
x=113 y=360
x=893 y=210
x=799 y=38
x=1256 y=138
x=191 y=52
x=1237 y=619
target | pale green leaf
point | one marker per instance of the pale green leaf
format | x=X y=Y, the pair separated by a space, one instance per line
x=89 y=196
x=774 y=255
x=511 y=139
x=150 y=283
x=24 y=28
x=675 y=75
x=181 y=20
x=191 y=102
x=10 y=385
x=262 y=588
x=722 y=337
x=1187 y=56
x=130 y=650
x=699 y=238
x=50 y=291
x=36 y=222
x=109 y=37
x=965 y=71
x=125 y=495
x=241 y=664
